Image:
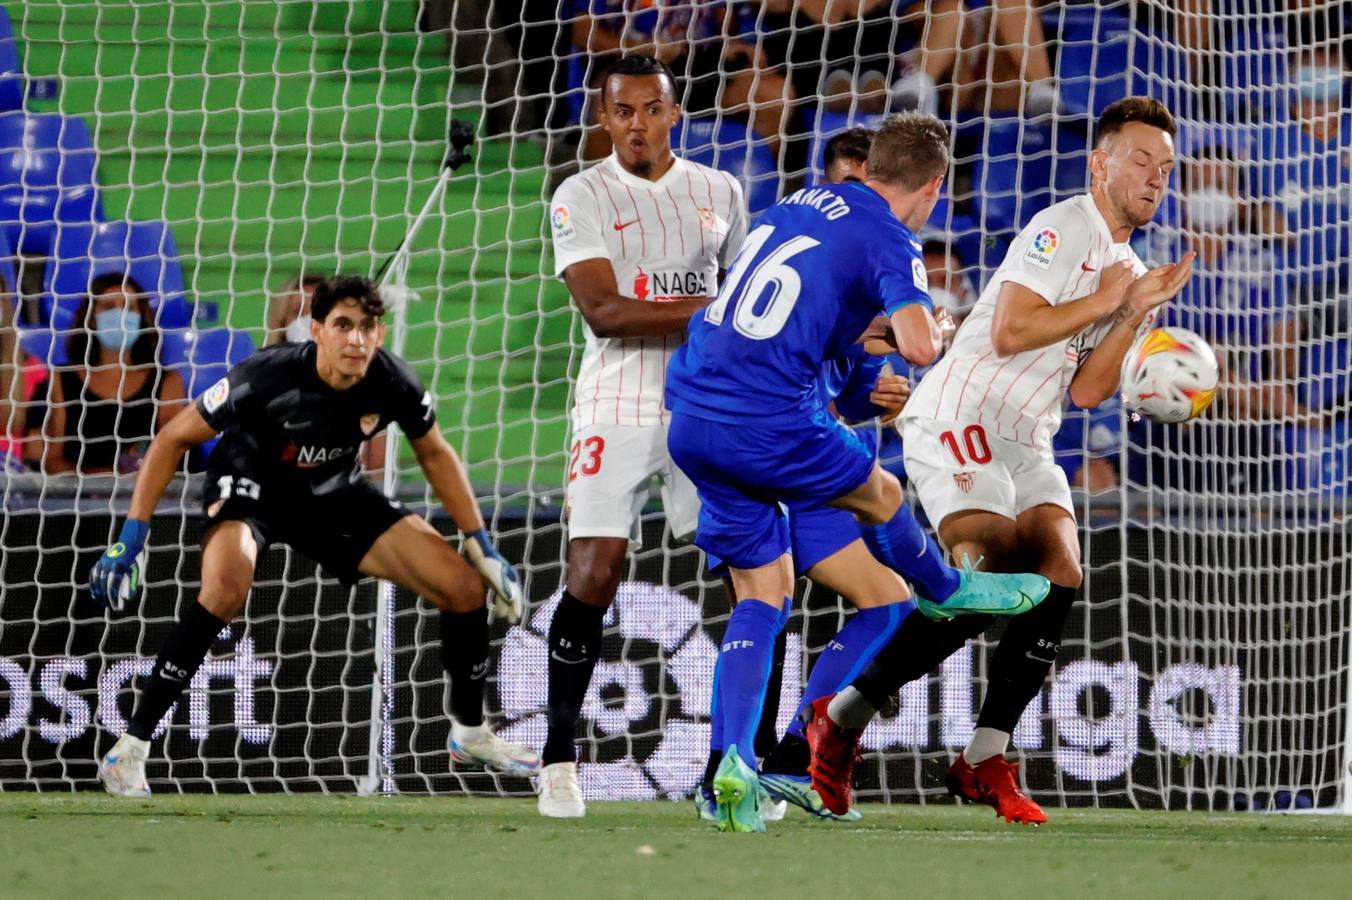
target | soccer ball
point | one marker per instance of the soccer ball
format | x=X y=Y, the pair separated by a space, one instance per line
x=1170 y=375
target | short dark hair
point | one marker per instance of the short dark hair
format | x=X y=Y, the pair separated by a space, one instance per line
x=1122 y=112
x=637 y=65
x=852 y=144
x=145 y=350
x=908 y=150
x=332 y=291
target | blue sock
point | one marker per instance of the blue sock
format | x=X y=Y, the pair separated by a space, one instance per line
x=742 y=672
x=716 y=744
x=904 y=546
x=867 y=632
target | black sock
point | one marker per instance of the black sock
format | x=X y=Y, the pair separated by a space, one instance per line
x=180 y=656
x=919 y=645
x=790 y=757
x=574 y=648
x=464 y=656
x=767 y=733
x=711 y=769
x=1023 y=658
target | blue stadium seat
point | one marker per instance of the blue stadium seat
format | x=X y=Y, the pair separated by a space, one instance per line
x=207 y=354
x=47 y=177
x=733 y=146
x=1011 y=169
x=1102 y=57
x=144 y=250
x=11 y=73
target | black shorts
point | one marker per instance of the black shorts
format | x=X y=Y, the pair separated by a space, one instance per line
x=335 y=529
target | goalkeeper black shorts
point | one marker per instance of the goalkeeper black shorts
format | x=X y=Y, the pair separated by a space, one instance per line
x=335 y=529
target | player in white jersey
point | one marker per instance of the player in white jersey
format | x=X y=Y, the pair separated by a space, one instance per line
x=640 y=240
x=1058 y=315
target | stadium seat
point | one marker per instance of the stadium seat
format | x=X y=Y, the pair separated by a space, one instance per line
x=207 y=354
x=11 y=73
x=144 y=250
x=1102 y=57
x=47 y=177
x=1011 y=169
x=731 y=145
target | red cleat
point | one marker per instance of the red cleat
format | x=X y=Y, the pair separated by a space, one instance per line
x=834 y=750
x=995 y=782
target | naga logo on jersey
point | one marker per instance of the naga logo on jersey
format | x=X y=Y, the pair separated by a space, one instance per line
x=368 y=423
x=562 y=220
x=307 y=456
x=215 y=395
x=670 y=285
x=1043 y=248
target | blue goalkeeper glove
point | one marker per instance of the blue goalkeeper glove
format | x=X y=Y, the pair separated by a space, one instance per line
x=504 y=585
x=116 y=578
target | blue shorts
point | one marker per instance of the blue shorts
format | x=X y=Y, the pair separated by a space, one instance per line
x=815 y=533
x=748 y=477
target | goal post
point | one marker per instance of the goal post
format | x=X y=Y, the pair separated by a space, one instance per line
x=1207 y=663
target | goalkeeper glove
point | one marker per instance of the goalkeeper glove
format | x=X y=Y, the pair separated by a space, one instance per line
x=117 y=577
x=504 y=585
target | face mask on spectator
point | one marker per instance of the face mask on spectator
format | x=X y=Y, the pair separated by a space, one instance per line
x=117 y=329
x=1210 y=208
x=1321 y=84
x=298 y=332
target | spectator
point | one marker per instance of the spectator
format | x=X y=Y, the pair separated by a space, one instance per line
x=949 y=285
x=1004 y=63
x=112 y=398
x=289 y=311
x=846 y=154
x=715 y=69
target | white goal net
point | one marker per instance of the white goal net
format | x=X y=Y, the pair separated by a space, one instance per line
x=218 y=150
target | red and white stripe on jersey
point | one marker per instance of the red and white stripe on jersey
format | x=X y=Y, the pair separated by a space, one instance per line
x=1021 y=397
x=665 y=240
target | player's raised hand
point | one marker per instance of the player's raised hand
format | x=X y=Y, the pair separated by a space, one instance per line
x=891 y=393
x=948 y=326
x=1114 y=282
x=1160 y=284
x=116 y=578
x=504 y=584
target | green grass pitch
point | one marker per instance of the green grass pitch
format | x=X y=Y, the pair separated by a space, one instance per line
x=277 y=846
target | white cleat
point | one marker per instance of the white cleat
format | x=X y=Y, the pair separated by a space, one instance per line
x=478 y=746
x=560 y=793
x=772 y=810
x=123 y=769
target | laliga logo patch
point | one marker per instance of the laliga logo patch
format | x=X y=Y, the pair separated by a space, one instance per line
x=920 y=276
x=562 y=221
x=369 y=422
x=216 y=395
x=1043 y=248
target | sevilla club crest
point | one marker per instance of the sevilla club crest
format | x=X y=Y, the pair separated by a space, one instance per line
x=369 y=423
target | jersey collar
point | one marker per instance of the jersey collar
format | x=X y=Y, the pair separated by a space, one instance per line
x=633 y=181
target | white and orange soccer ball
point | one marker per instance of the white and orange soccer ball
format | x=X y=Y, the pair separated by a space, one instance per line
x=1170 y=375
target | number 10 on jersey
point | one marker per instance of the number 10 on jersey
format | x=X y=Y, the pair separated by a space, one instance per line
x=773 y=272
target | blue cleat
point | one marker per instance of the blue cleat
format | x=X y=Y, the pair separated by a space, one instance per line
x=737 y=794
x=798 y=790
x=988 y=594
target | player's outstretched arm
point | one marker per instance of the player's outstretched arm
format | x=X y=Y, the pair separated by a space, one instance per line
x=1025 y=320
x=1098 y=377
x=592 y=284
x=116 y=578
x=919 y=339
x=446 y=474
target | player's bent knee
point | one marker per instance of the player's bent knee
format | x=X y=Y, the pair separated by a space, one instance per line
x=1065 y=572
x=224 y=596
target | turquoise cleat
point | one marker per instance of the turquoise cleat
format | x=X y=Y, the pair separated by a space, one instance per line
x=988 y=594
x=798 y=790
x=737 y=793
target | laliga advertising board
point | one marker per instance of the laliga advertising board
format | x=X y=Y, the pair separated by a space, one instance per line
x=284 y=699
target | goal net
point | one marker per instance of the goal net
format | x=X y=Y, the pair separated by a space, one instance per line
x=218 y=150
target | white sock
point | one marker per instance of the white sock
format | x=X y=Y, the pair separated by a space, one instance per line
x=915 y=89
x=850 y=710
x=463 y=734
x=985 y=743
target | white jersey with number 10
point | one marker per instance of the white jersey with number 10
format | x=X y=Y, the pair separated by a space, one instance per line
x=666 y=240
x=1058 y=255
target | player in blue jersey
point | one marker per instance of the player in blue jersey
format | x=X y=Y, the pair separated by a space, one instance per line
x=752 y=430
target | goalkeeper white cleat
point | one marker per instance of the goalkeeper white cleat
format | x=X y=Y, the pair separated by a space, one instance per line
x=560 y=793
x=123 y=769
x=477 y=745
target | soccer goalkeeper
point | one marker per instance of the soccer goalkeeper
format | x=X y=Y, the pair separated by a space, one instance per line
x=286 y=470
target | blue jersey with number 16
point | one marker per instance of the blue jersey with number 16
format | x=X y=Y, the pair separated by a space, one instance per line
x=818 y=268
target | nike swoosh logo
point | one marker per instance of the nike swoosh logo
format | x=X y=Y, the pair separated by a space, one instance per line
x=295 y=426
x=1085 y=267
x=621 y=226
x=554 y=654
